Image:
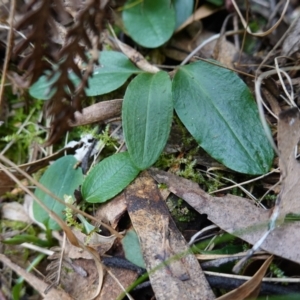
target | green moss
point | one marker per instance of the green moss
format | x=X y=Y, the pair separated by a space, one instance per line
x=21 y=117
x=180 y=211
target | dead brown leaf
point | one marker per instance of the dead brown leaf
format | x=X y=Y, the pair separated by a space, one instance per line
x=250 y=289
x=224 y=52
x=111 y=289
x=38 y=284
x=6 y=183
x=111 y=212
x=95 y=240
x=15 y=211
x=180 y=278
x=236 y=215
x=76 y=285
x=80 y=287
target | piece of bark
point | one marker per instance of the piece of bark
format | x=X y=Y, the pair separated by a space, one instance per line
x=180 y=278
x=98 y=112
x=236 y=215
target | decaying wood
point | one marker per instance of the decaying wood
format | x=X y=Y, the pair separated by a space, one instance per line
x=171 y=277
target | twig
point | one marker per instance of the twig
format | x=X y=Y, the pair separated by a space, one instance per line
x=8 y=48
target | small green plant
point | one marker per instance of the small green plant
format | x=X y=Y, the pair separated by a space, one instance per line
x=276 y=271
x=61 y=178
x=213 y=103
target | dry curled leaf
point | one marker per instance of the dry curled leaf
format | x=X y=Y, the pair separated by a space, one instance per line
x=250 y=289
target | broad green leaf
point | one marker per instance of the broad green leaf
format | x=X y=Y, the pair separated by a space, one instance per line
x=183 y=9
x=220 y=112
x=132 y=249
x=147 y=115
x=61 y=178
x=113 y=70
x=108 y=178
x=150 y=23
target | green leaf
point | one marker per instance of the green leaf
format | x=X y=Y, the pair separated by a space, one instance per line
x=88 y=227
x=41 y=89
x=61 y=178
x=216 y=2
x=150 y=23
x=183 y=9
x=132 y=249
x=219 y=111
x=27 y=238
x=108 y=178
x=147 y=115
x=113 y=70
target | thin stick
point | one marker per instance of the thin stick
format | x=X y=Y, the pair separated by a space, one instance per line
x=8 y=48
x=245 y=182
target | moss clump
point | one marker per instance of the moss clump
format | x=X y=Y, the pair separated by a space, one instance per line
x=180 y=211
